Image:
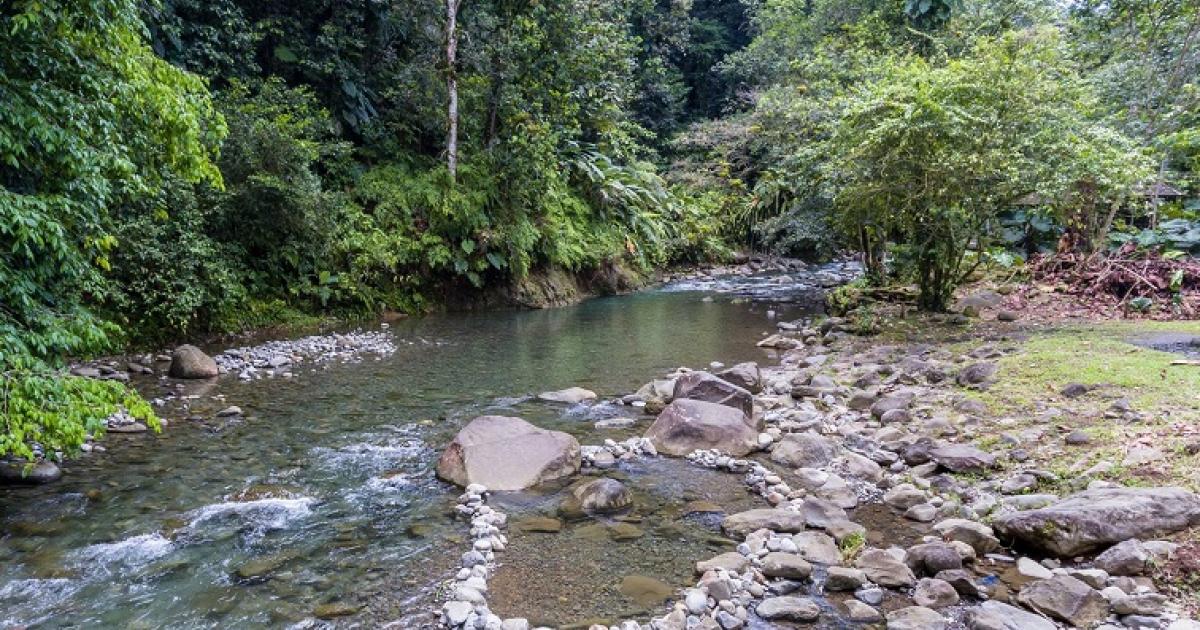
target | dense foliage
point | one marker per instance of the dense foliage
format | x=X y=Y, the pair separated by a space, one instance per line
x=180 y=167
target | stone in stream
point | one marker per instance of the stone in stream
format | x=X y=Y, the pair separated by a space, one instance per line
x=598 y=496
x=645 y=591
x=994 y=615
x=932 y=558
x=915 y=618
x=731 y=561
x=844 y=579
x=687 y=425
x=1103 y=516
x=860 y=612
x=788 y=609
x=506 y=453
x=570 y=395
x=745 y=375
x=191 y=363
x=740 y=524
x=962 y=581
x=128 y=427
x=708 y=388
x=805 y=450
x=778 y=564
x=1067 y=599
x=825 y=515
x=335 y=609
x=817 y=547
x=539 y=524
x=662 y=389
x=885 y=569
x=934 y=593
x=17 y=472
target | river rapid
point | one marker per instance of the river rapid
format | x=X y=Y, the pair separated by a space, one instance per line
x=322 y=498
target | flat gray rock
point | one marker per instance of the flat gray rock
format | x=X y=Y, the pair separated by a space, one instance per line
x=789 y=609
x=1097 y=518
x=994 y=615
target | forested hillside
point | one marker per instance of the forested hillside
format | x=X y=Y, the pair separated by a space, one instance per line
x=178 y=168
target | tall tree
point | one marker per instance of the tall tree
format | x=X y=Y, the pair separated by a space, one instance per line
x=452 y=87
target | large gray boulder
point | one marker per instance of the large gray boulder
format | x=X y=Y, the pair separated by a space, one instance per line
x=709 y=388
x=1100 y=517
x=686 y=425
x=506 y=453
x=805 y=450
x=190 y=362
x=20 y=472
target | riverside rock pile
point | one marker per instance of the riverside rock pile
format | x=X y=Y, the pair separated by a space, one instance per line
x=467 y=606
x=280 y=356
x=889 y=427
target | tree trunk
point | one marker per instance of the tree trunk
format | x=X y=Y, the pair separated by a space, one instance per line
x=452 y=87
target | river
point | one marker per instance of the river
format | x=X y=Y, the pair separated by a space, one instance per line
x=325 y=492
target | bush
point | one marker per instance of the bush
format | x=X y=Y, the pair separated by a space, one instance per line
x=169 y=278
x=276 y=213
x=804 y=231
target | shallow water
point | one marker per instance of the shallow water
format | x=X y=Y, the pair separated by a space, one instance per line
x=325 y=492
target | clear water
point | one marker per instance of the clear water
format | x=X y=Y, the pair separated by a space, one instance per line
x=325 y=492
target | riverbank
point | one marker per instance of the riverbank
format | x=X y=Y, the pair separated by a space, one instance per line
x=981 y=474
x=319 y=499
x=322 y=491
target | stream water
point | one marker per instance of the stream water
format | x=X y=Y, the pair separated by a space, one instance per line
x=325 y=493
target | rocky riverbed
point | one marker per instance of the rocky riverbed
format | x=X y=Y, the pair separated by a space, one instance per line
x=877 y=509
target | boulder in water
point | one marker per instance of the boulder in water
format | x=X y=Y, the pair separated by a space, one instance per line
x=1100 y=517
x=706 y=387
x=598 y=496
x=507 y=453
x=570 y=395
x=190 y=362
x=18 y=472
x=686 y=425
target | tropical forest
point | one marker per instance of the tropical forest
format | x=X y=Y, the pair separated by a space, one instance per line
x=600 y=314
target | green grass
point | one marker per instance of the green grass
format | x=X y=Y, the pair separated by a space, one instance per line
x=1099 y=355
